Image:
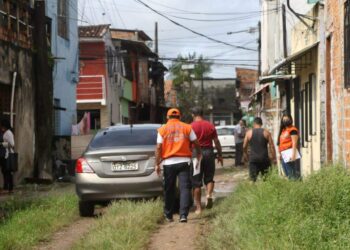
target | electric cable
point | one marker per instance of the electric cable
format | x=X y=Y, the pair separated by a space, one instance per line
x=191 y=30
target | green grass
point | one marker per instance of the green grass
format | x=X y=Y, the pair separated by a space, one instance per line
x=34 y=220
x=126 y=225
x=280 y=214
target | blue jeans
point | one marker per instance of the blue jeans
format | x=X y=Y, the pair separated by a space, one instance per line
x=291 y=169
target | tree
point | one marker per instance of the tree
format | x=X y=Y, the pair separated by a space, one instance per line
x=188 y=95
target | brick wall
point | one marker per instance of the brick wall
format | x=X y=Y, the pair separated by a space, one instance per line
x=247 y=78
x=340 y=96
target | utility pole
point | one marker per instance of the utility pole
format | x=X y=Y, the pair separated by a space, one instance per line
x=156 y=38
x=202 y=91
x=43 y=93
x=259 y=48
x=284 y=23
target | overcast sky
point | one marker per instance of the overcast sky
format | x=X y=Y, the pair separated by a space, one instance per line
x=221 y=16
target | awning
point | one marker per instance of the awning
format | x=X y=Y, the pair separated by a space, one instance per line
x=260 y=89
x=272 y=78
x=293 y=57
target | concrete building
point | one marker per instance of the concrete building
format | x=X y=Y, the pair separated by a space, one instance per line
x=293 y=76
x=65 y=53
x=246 y=81
x=221 y=100
x=170 y=94
x=97 y=91
x=142 y=78
x=16 y=79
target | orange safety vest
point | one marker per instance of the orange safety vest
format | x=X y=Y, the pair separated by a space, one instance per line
x=285 y=140
x=176 y=139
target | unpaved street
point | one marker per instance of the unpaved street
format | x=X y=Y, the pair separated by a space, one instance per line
x=168 y=235
x=177 y=235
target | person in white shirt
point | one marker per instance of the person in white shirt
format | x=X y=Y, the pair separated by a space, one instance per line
x=174 y=153
x=8 y=143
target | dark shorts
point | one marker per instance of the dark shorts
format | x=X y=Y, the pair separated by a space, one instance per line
x=256 y=168
x=207 y=169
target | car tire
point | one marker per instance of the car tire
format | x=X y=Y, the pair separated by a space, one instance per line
x=86 y=208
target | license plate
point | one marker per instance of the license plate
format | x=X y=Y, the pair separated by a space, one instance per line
x=124 y=166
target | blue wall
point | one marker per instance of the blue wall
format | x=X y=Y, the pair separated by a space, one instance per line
x=66 y=69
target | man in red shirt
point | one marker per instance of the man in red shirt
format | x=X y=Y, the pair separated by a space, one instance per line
x=206 y=135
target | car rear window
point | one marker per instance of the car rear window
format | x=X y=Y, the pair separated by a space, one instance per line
x=124 y=138
x=225 y=131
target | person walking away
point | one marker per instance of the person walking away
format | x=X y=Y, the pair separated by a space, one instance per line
x=8 y=143
x=174 y=153
x=206 y=135
x=239 y=134
x=259 y=139
x=288 y=139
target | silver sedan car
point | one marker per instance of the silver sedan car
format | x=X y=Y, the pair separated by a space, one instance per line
x=118 y=163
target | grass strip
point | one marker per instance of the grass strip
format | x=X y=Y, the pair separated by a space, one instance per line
x=126 y=225
x=36 y=220
x=282 y=214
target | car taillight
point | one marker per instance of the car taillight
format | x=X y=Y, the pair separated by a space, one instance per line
x=82 y=166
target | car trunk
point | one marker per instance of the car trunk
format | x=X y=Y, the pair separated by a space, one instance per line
x=227 y=140
x=122 y=162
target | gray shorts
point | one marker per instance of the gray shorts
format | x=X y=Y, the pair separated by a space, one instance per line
x=207 y=169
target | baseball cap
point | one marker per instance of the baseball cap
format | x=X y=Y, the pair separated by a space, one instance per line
x=174 y=112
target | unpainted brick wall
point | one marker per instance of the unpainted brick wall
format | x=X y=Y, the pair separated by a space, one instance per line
x=340 y=103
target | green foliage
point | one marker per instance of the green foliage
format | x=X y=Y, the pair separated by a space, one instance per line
x=188 y=95
x=33 y=221
x=126 y=225
x=280 y=214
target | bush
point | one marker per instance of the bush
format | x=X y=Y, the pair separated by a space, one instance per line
x=282 y=214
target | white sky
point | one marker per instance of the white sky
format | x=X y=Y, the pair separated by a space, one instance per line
x=174 y=40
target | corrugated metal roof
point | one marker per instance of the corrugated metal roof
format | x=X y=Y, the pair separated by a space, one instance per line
x=93 y=30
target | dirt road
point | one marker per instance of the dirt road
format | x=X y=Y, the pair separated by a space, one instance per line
x=175 y=235
x=169 y=235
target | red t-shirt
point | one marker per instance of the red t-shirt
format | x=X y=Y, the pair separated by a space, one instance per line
x=205 y=132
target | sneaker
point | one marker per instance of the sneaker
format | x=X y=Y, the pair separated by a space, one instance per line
x=168 y=218
x=183 y=219
x=209 y=204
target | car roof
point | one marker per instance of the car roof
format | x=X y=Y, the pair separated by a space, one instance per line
x=227 y=126
x=134 y=126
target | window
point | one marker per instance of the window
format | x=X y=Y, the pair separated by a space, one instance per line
x=57 y=116
x=5 y=99
x=124 y=137
x=302 y=123
x=62 y=18
x=312 y=104
x=307 y=111
x=95 y=117
x=225 y=131
x=347 y=44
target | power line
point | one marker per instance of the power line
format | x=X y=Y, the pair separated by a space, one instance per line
x=120 y=17
x=191 y=30
x=205 y=13
x=221 y=20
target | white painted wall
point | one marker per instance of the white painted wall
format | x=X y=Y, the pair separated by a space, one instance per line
x=271 y=30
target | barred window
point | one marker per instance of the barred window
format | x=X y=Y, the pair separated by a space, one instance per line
x=63 y=18
x=347 y=44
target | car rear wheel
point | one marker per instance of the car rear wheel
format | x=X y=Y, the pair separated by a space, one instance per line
x=86 y=208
